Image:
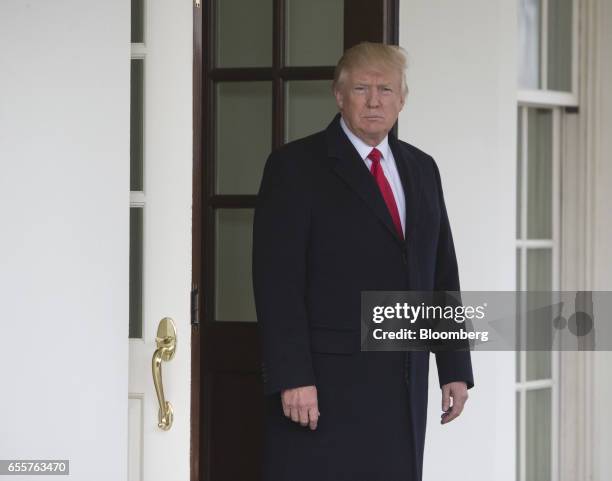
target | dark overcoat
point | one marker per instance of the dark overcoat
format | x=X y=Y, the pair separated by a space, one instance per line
x=322 y=235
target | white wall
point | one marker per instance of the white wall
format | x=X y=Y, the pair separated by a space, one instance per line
x=461 y=109
x=64 y=197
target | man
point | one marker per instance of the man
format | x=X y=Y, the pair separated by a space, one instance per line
x=346 y=210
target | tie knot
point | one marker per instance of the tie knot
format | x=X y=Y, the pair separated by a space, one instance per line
x=375 y=155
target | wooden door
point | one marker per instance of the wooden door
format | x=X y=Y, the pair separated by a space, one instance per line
x=264 y=72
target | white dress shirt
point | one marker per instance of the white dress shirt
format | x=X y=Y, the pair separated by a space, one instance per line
x=387 y=162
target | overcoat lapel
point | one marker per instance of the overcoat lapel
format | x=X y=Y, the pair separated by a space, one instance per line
x=410 y=175
x=351 y=168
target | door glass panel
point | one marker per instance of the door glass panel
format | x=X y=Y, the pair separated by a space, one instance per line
x=136 y=259
x=560 y=45
x=233 y=286
x=539 y=174
x=538 y=435
x=310 y=107
x=529 y=43
x=314 y=29
x=244 y=135
x=136 y=124
x=244 y=33
x=137 y=21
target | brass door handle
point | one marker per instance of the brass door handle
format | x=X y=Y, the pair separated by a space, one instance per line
x=166 y=348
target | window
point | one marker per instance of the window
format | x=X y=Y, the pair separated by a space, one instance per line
x=547 y=86
x=548 y=50
x=537 y=250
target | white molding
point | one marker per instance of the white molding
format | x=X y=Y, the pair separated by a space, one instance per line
x=556 y=282
x=537 y=244
x=555 y=425
x=579 y=175
x=546 y=98
x=535 y=384
x=523 y=424
x=137 y=199
x=139 y=50
x=589 y=153
x=589 y=97
x=135 y=436
x=556 y=196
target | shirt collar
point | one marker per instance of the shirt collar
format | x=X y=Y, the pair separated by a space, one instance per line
x=363 y=148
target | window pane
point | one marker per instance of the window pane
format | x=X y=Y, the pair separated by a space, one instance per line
x=529 y=27
x=519 y=173
x=244 y=135
x=233 y=287
x=560 y=45
x=517 y=413
x=519 y=285
x=518 y=310
x=315 y=34
x=244 y=33
x=310 y=107
x=538 y=365
x=538 y=435
x=137 y=21
x=136 y=124
x=539 y=278
x=539 y=174
x=136 y=256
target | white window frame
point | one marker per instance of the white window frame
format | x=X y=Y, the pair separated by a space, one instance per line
x=522 y=245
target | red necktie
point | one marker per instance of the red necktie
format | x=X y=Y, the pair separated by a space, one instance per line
x=385 y=189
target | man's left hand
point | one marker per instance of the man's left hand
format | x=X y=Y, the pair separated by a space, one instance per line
x=458 y=392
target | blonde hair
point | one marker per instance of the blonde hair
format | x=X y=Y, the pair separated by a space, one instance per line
x=368 y=54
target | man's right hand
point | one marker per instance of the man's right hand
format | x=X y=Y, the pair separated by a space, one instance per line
x=301 y=405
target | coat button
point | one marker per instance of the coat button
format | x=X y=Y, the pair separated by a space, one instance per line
x=405 y=257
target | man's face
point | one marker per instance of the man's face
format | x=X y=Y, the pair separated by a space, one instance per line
x=370 y=100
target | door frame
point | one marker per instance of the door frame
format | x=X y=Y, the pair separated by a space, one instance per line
x=372 y=20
